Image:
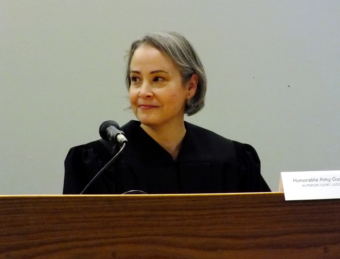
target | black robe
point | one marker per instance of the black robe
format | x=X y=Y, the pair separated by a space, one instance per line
x=206 y=163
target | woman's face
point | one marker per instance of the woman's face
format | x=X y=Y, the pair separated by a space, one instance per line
x=157 y=93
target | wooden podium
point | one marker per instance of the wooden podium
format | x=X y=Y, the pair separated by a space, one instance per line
x=168 y=226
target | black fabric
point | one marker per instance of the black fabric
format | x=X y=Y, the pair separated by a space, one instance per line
x=206 y=163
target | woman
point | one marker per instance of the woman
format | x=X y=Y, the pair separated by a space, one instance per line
x=165 y=154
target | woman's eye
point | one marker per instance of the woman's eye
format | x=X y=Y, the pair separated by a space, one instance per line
x=134 y=79
x=159 y=79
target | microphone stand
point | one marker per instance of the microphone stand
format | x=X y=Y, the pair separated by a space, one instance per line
x=108 y=164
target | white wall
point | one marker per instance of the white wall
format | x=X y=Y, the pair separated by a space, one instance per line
x=273 y=71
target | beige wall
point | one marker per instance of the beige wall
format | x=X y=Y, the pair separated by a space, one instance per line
x=273 y=71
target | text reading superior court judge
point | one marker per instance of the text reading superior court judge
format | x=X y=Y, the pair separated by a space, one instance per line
x=165 y=154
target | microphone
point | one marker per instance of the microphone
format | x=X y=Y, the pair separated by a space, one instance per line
x=109 y=131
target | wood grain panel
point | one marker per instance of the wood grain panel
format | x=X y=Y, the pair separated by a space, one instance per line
x=168 y=226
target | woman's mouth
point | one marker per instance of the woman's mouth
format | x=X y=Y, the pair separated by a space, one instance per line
x=147 y=106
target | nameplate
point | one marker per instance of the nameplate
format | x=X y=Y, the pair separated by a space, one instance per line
x=311 y=185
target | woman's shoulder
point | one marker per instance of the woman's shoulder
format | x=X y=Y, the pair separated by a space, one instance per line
x=213 y=141
x=89 y=152
x=206 y=137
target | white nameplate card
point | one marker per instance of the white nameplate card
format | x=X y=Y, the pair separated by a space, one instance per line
x=311 y=185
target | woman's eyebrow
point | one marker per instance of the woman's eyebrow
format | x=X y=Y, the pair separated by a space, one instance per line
x=158 y=71
x=152 y=72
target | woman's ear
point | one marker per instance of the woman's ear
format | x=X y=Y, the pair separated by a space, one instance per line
x=192 y=86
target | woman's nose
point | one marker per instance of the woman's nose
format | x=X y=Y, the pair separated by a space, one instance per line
x=145 y=90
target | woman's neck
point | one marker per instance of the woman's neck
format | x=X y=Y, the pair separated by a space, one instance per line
x=169 y=136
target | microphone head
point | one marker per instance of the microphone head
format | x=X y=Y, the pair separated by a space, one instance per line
x=104 y=134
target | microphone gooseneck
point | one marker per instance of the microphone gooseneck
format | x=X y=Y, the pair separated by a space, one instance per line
x=104 y=168
x=110 y=132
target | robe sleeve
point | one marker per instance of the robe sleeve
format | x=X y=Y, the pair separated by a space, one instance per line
x=81 y=164
x=250 y=169
x=74 y=179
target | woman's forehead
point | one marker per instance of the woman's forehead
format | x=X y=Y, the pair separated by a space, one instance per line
x=148 y=58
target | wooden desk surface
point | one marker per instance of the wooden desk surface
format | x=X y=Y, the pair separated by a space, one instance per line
x=168 y=226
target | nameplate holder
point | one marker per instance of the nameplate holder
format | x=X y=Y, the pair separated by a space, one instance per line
x=311 y=185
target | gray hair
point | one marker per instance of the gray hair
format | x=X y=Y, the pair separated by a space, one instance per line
x=179 y=49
